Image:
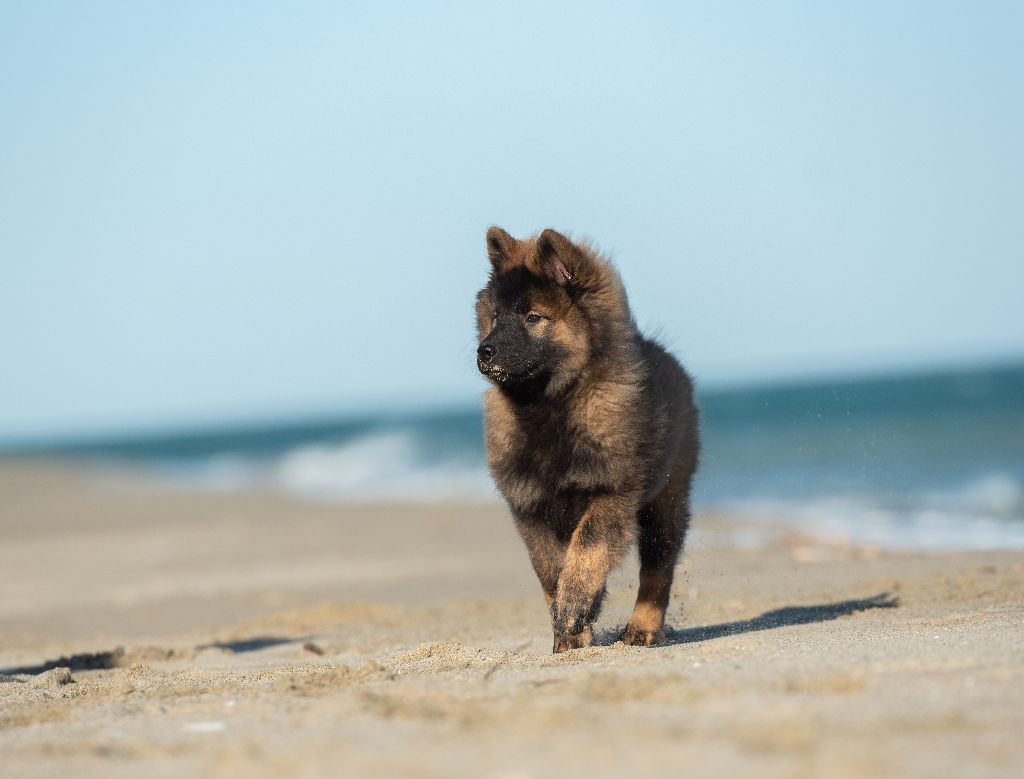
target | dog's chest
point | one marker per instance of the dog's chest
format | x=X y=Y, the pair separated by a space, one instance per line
x=538 y=458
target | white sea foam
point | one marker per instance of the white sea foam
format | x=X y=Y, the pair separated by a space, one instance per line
x=993 y=495
x=986 y=513
x=388 y=465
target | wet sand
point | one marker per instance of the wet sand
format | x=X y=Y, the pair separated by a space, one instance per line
x=151 y=632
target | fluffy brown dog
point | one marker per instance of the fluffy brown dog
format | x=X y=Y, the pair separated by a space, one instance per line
x=592 y=431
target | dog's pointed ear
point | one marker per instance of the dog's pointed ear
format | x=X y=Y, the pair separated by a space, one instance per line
x=499 y=247
x=561 y=260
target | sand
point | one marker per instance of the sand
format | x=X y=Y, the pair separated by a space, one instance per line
x=153 y=632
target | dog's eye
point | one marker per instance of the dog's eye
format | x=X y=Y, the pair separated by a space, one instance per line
x=532 y=319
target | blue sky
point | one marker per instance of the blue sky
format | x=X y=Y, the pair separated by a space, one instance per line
x=229 y=211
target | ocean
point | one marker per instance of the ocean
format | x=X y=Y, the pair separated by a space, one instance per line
x=925 y=461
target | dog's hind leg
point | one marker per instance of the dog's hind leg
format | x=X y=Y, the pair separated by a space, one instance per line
x=662 y=529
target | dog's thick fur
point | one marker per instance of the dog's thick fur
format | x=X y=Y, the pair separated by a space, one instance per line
x=592 y=430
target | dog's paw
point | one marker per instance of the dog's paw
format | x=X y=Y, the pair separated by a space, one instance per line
x=635 y=636
x=567 y=641
x=568 y=616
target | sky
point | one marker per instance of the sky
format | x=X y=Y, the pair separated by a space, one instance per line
x=218 y=212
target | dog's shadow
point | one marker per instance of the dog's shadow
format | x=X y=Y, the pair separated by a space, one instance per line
x=777 y=618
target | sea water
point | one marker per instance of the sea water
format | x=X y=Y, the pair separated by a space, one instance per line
x=924 y=461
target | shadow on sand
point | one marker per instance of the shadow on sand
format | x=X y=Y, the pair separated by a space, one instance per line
x=784 y=617
x=250 y=644
x=118 y=658
x=85 y=661
x=777 y=618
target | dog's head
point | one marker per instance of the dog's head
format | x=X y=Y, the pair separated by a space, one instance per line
x=537 y=315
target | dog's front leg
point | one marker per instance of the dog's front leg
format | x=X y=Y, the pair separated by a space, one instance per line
x=598 y=543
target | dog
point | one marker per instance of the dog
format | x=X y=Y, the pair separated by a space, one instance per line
x=591 y=430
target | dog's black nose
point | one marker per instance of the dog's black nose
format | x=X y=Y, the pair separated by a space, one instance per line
x=485 y=352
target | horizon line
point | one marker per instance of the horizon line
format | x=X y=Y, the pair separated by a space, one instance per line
x=356 y=413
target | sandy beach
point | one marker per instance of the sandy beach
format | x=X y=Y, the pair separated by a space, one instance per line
x=148 y=631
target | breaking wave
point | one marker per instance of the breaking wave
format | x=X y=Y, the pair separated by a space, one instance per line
x=983 y=513
x=390 y=465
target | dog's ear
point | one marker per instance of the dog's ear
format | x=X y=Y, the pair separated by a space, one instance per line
x=562 y=260
x=499 y=247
